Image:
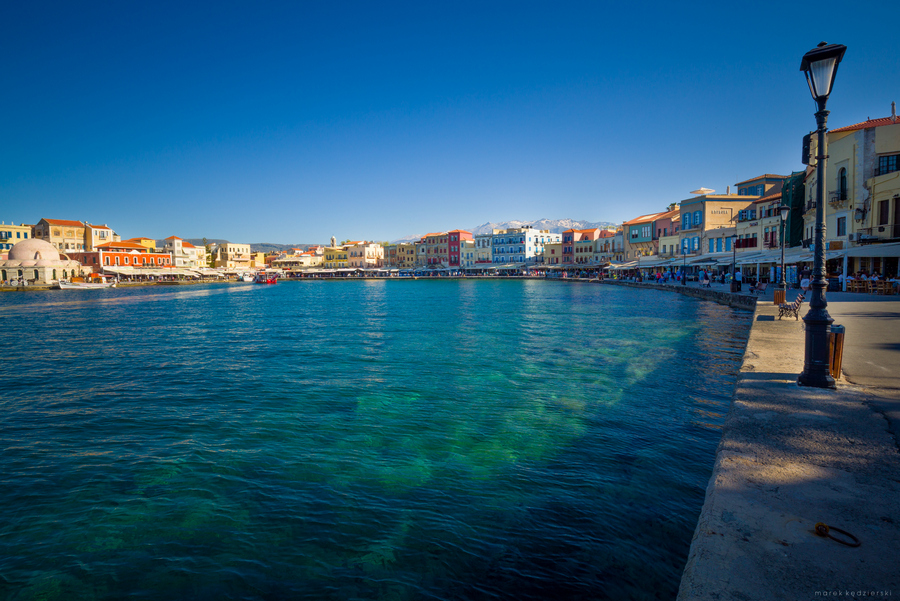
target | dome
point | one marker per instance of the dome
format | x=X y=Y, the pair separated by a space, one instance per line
x=33 y=250
x=28 y=263
x=44 y=263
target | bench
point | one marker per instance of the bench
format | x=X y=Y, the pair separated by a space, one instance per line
x=760 y=288
x=792 y=308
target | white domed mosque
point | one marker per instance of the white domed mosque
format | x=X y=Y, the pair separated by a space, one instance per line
x=37 y=262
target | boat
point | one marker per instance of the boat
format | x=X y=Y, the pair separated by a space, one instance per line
x=246 y=277
x=67 y=285
x=265 y=278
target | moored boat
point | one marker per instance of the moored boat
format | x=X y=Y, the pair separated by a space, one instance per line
x=67 y=285
x=265 y=278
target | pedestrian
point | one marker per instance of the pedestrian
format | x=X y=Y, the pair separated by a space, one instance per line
x=737 y=278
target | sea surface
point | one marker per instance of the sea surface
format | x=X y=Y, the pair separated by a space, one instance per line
x=395 y=440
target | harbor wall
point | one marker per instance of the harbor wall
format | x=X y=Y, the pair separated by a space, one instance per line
x=723 y=297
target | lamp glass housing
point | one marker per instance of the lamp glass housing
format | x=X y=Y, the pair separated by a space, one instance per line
x=820 y=66
x=785 y=211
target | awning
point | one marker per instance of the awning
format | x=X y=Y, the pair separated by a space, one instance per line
x=874 y=250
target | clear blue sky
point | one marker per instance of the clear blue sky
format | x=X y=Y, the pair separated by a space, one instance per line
x=295 y=121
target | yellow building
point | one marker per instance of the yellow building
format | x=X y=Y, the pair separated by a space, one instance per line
x=335 y=257
x=148 y=243
x=233 y=256
x=65 y=235
x=12 y=234
x=406 y=255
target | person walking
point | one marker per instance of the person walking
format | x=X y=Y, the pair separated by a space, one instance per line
x=737 y=278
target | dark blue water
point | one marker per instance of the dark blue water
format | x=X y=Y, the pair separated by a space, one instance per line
x=357 y=440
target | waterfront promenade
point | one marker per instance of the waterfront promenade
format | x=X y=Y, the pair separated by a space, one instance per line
x=791 y=457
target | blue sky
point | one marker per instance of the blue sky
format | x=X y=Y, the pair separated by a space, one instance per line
x=292 y=122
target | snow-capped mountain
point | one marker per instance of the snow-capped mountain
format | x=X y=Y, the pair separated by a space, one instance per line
x=556 y=226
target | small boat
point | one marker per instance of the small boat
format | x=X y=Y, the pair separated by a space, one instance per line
x=246 y=277
x=67 y=285
x=265 y=278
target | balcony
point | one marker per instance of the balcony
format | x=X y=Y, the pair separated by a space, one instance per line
x=837 y=199
x=810 y=206
x=806 y=243
x=771 y=244
x=879 y=233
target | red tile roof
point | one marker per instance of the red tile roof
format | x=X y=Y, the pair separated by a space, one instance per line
x=99 y=227
x=125 y=244
x=173 y=238
x=768 y=198
x=866 y=124
x=64 y=222
x=644 y=218
x=187 y=245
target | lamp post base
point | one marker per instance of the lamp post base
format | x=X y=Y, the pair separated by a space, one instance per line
x=817 y=360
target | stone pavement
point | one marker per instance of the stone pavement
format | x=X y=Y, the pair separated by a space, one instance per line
x=791 y=457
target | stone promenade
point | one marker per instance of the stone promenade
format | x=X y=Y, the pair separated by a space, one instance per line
x=791 y=457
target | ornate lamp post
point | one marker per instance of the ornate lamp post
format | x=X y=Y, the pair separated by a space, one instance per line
x=734 y=284
x=820 y=66
x=785 y=211
x=684 y=265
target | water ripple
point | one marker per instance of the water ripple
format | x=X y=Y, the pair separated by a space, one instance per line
x=358 y=440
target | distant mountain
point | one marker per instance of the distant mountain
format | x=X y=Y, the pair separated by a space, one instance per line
x=256 y=247
x=557 y=226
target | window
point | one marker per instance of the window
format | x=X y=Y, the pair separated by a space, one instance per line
x=698 y=218
x=841 y=226
x=888 y=164
x=842 y=184
x=883 y=212
x=645 y=231
x=728 y=244
x=711 y=243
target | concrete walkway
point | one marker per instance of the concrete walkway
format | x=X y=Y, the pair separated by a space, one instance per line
x=791 y=457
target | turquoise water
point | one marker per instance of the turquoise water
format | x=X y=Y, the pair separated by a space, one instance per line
x=358 y=440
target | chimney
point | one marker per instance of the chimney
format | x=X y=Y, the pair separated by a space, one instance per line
x=728 y=190
x=893 y=112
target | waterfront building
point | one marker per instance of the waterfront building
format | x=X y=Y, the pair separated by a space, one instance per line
x=421 y=253
x=436 y=249
x=706 y=212
x=521 y=245
x=121 y=254
x=364 y=255
x=95 y=235
x=757 y=227
x=604 y=247
x=299 y=259
x=570 y=237
x=391 y=255
x=553 y=253
x=642 y=233
x=467 y=253
x=37 y=262
x=150 y=243
x=483 y=248
x=183 y=253
x=763 y=185
x=862 y=192
x=454 y=239
x=619 y=245
x=12 y=234
x=335 y=257
x=406 y=255
x=65 y=235
x=233 y=257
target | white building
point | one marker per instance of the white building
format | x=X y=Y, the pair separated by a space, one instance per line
x=521 y=245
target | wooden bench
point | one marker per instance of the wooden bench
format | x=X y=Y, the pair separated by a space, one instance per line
x=792 y=308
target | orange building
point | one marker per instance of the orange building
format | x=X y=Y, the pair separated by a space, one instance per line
x=122 y=254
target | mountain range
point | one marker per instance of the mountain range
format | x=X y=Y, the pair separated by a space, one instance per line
x=557 y=226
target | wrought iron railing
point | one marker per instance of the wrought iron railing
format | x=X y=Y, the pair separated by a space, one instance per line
x=879 y=233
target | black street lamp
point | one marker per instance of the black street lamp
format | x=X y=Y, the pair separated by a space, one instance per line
x=785 y=211
x=820 y=66
x=734 y=284
x=684 y=265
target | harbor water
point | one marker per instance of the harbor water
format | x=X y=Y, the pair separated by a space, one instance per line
x=378 y=439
